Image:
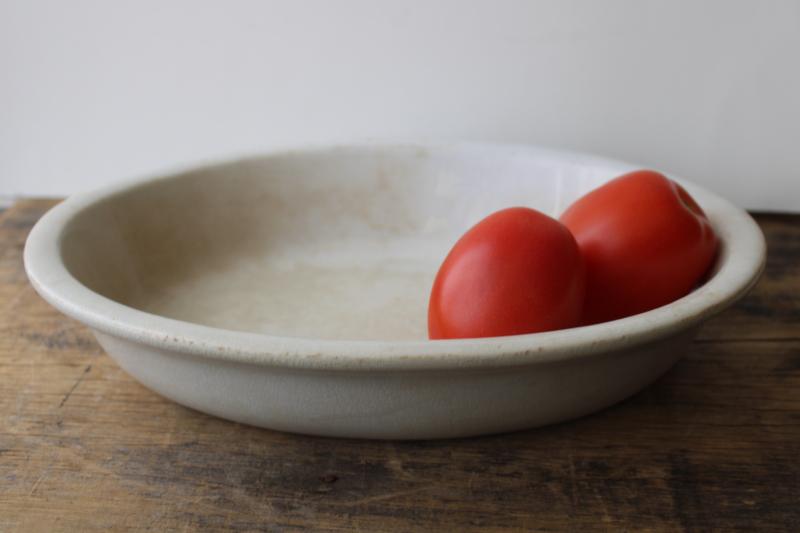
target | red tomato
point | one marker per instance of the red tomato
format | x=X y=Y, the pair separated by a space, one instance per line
x=516 y=271
x=645 y=243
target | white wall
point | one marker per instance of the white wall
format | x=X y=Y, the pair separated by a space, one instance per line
x=97 y=91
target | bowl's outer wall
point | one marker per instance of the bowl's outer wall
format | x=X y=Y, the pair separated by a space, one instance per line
x=398 y=404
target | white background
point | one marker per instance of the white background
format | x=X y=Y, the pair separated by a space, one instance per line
x=97 y=91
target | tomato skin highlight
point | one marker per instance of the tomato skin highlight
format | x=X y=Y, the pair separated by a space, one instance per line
x=645 y=242
x=517 y=271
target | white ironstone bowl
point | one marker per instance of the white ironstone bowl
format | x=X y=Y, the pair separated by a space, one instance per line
x=290 y=290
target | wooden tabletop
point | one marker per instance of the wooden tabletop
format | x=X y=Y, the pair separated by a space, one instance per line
x=714 y=445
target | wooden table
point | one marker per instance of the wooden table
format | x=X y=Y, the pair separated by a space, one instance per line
x=714 y=445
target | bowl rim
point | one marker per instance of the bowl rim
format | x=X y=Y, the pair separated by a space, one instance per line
x=741 y=260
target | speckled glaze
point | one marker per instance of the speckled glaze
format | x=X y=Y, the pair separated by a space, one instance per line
x=289 y=291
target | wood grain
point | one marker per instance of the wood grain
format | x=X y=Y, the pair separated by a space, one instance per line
x=713 y=446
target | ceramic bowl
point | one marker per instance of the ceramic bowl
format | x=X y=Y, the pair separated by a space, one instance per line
x=290 y=290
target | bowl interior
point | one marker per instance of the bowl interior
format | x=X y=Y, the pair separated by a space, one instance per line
x=327 y=244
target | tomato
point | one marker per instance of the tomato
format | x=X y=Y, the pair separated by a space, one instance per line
x=516 y=271
x=645 y=243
